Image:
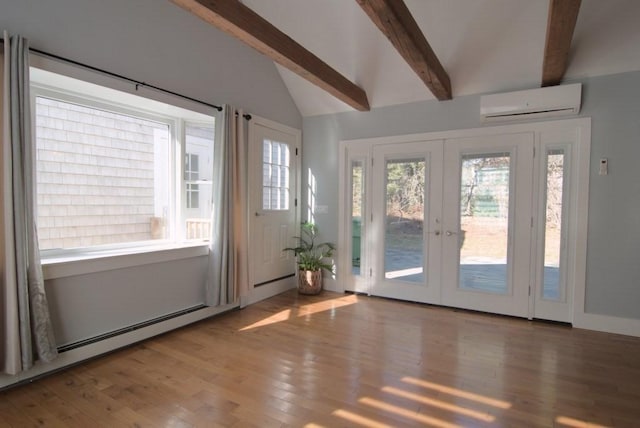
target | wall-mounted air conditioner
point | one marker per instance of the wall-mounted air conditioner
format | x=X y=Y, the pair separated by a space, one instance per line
x=533 y=103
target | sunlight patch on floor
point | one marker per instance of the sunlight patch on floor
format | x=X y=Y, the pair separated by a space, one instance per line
x=359 y=420
x=576 y=423
x=421 y=415
x=439 y=404
x=458 y=392
x=305 y=311
x=276 y=318
x=326 y=305
x=405 y=413
x=403 y=272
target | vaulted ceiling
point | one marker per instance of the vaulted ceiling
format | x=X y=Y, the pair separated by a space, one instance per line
x=479 y=46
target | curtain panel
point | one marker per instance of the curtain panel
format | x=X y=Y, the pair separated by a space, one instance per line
x=27 y=332
x=228 y=277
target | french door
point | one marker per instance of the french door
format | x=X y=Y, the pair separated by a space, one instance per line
x=487 y=227
x=406 y=219
x=484 y=222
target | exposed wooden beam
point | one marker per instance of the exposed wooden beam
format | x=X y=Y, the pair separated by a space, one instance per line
x=396 y=22
x=561 y=22
x=236 y=19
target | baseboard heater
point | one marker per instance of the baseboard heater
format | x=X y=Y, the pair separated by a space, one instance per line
x=275 y=280
x=128 y=329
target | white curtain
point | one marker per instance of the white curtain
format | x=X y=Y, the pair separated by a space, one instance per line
x=228 y=278
x=27 y=333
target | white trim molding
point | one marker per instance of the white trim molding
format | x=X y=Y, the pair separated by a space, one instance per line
x=607 y=324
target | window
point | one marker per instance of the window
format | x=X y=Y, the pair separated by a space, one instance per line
x=105 y=168
x=198 y=174
x=275 y=176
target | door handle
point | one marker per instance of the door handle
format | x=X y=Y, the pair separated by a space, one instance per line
x=449 y=233
x=258 y=214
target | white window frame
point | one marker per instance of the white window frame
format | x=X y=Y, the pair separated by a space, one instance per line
x=178 y=115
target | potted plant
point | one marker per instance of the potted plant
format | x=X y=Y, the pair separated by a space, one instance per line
x=310 y=257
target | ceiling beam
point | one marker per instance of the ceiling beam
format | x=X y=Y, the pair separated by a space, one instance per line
x=393 y=18
x=563 y=15
x=238 y=20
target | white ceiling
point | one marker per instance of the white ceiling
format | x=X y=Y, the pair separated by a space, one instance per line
x=485 y=46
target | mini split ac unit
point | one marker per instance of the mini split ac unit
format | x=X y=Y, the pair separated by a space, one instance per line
x=533 y=103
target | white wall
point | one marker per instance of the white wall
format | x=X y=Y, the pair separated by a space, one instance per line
x=88 y=305
x=613 y=259
x=613 y=103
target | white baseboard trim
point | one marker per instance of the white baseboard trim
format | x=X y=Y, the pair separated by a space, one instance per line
x=607 y=324
x=91 y=350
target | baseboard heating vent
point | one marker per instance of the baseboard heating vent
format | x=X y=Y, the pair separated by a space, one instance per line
x=275 y=280
x=127 y=329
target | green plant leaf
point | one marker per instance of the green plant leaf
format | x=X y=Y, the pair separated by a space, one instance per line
x=311 y=256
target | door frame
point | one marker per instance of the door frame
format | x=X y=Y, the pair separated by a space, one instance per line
x=580 y=128
x=265 y=291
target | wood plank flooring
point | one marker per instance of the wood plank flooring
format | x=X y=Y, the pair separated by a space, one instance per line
x=345 y=360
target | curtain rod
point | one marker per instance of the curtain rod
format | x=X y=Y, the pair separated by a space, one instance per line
x=119 y=76
x=246 y=115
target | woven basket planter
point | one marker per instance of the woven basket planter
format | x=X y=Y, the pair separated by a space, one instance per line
x=309 y=282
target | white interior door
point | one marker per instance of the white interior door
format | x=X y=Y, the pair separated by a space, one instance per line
x=274 y=215
x=406 y=220
x=488 y=223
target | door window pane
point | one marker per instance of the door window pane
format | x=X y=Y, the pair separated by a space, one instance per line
x=484 y=223
x=357 y=198
x=404 y=220
x=552 y=284
x=275 y=176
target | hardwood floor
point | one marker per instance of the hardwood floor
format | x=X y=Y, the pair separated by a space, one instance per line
x=346 y=360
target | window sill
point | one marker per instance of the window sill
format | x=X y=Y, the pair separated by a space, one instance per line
x=60 y=266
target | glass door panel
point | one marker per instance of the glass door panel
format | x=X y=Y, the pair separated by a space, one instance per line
x=353 y=228
x=357 y=210
x=557 y=239
x=483 y=237
x=404 y=220
x=553 y=283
